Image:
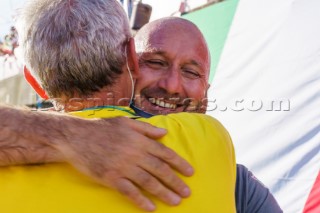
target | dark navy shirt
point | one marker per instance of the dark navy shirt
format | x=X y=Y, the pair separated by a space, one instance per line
x=252 y=196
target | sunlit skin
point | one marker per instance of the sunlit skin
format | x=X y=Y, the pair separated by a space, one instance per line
x=174 y=66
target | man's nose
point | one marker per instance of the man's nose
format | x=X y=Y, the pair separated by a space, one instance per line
x=171 y=81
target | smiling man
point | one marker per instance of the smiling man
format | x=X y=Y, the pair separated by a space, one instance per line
x=175 y=64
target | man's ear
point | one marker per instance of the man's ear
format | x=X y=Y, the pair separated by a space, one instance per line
x=132 y=58
x=34 y=84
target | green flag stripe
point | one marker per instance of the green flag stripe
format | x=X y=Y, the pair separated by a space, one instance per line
x=214 y=21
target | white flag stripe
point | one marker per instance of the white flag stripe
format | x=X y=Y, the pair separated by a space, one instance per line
x=272 y=54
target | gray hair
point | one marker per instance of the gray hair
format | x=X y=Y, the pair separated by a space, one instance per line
x=73 y=46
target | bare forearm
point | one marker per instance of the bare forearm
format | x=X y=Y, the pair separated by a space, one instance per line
x=27 y=137
x=112 y=151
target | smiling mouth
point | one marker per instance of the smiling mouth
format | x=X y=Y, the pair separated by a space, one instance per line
x=161 y=103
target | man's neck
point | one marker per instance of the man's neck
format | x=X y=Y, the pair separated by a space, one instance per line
x=99 y=99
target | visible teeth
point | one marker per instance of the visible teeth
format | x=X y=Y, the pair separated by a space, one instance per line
x=152 y=100
x=161 y=103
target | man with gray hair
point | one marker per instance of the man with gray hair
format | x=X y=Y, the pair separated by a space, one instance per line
x=70 y=44
x=129 y=152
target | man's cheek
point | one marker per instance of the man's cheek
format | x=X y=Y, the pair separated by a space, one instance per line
x=195 y=105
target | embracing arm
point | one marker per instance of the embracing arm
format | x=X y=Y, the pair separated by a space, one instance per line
x=119 y=153
x=24 y=137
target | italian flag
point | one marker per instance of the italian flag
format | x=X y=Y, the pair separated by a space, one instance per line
x=265 y=88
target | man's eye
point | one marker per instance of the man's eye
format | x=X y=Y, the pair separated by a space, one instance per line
x=156 y=63
x=191 y=74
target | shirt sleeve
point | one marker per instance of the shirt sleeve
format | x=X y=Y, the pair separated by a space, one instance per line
x=252 y=196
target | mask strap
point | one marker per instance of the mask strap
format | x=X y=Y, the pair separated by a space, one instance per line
x=129 y=71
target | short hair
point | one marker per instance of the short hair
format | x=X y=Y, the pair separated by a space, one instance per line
x=73 y=46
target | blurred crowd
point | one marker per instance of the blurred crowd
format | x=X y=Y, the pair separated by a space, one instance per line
x=9 y=43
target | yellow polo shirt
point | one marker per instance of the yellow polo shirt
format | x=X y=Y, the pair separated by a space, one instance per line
x=58 y=188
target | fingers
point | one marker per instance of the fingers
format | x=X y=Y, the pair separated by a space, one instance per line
x=160 y=166
x=147 y=129
x=158 y=149
x=172 y=158
x=128 y=189
x=168 y=177
x=155 y=162
x=153 y=186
